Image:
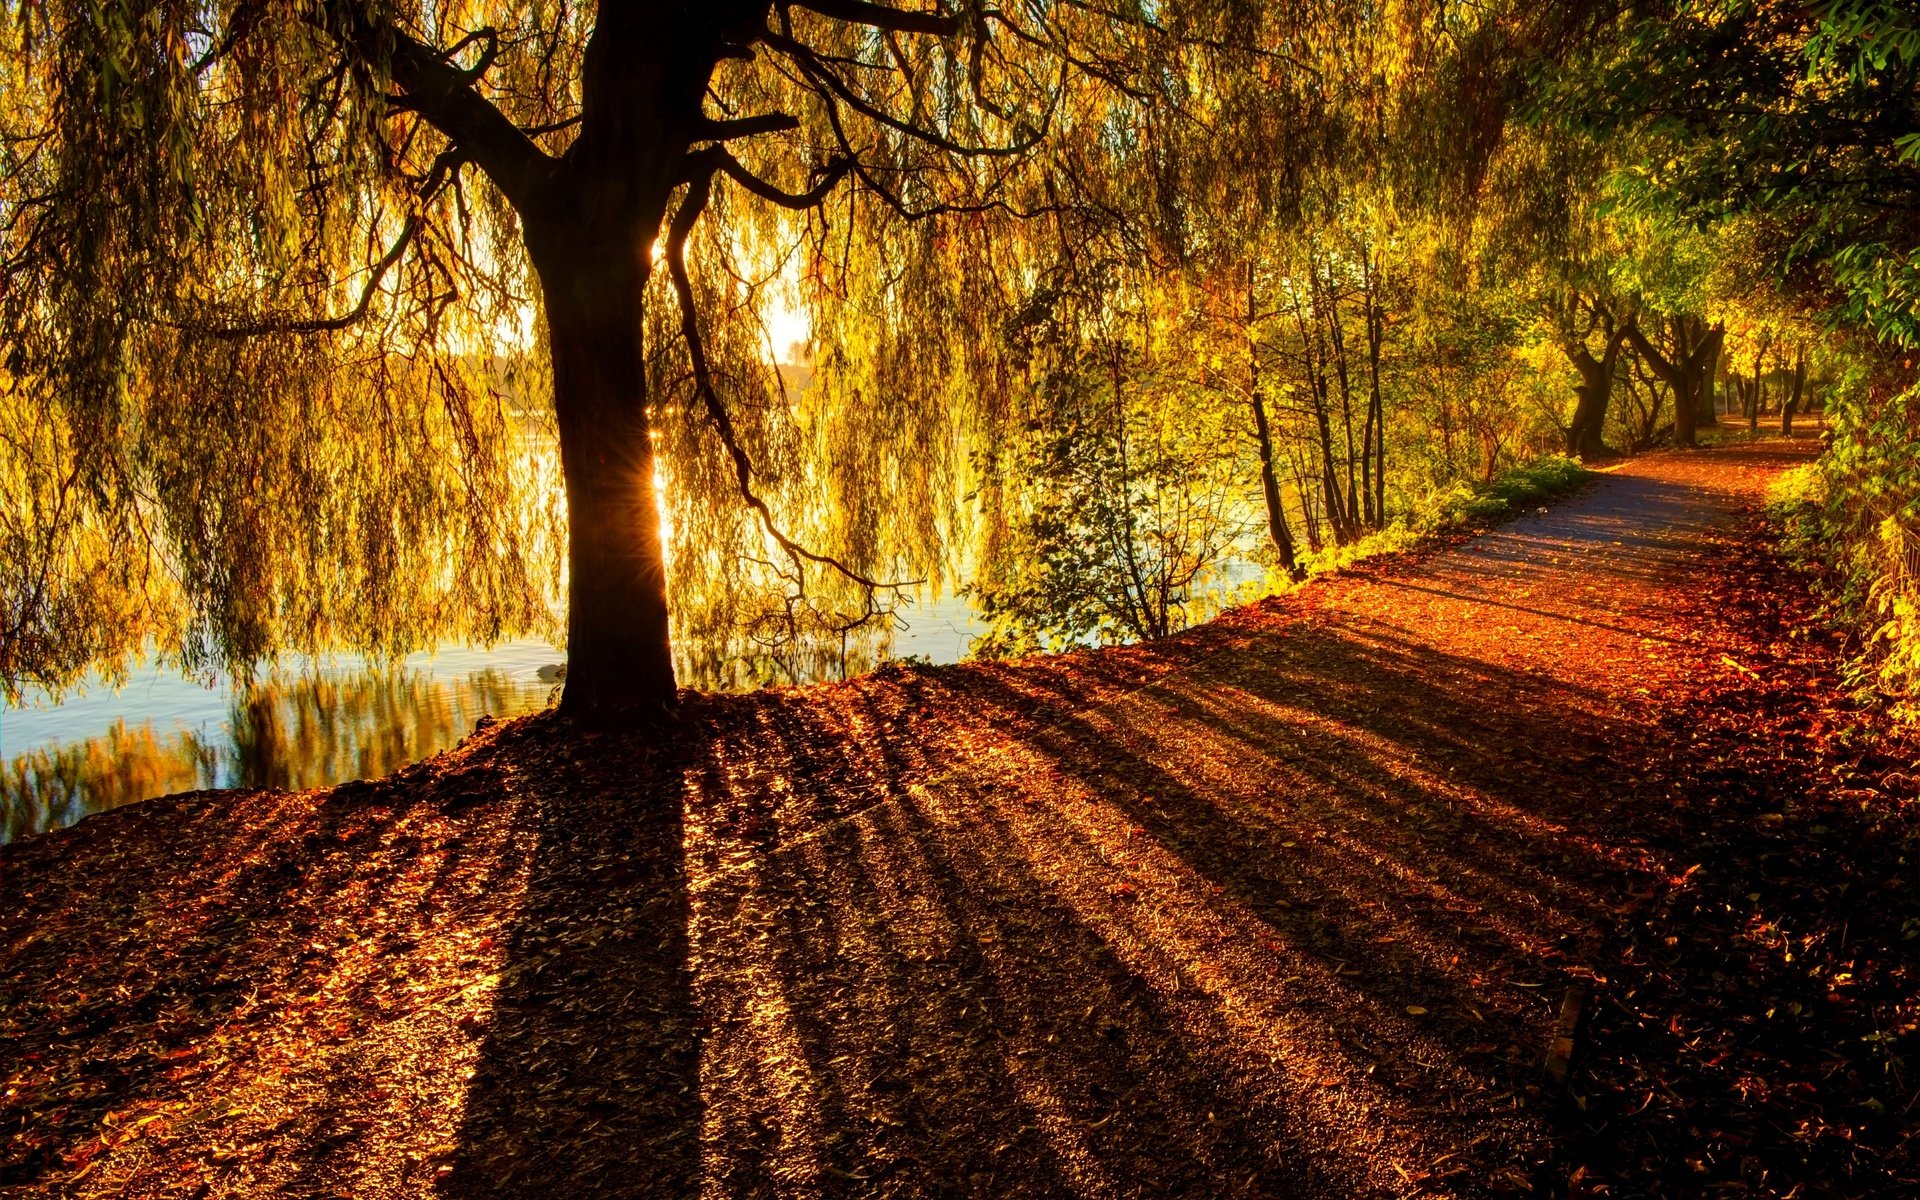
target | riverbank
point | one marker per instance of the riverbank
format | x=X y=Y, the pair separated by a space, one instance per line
x=1292 y=904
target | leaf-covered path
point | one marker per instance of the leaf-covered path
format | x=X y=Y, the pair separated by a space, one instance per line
x=1289 y=906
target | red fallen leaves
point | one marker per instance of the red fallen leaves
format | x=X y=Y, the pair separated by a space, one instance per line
x=315 y=943
x=1762 y=1008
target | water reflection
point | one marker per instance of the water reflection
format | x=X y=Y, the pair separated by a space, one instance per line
x=296 y=733
x=324 y=723
x=57 y=785
x=746 y=664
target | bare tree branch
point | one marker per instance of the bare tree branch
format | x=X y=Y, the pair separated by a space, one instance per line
x=720 y=130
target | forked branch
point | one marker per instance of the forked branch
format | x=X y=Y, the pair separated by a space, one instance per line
x=229 y=333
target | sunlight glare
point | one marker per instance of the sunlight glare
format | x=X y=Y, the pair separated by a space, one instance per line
x=789 y=332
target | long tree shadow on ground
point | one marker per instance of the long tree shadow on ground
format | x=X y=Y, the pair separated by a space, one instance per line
x=1286 y=906
x=588 y=1079
x=1273 y=922
x=237 y=982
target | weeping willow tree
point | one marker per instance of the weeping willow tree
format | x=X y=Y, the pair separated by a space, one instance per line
x=296 y=296
x=298 y=300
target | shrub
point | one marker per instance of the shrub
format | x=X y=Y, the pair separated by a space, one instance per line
x=1852 y=519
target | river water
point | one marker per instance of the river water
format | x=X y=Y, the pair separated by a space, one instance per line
x=327 y=722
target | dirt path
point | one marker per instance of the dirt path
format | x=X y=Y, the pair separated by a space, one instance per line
x=1289 y=906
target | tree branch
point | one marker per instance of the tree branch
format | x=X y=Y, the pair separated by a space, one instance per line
x=829 y=86
x=720 y=130
x=678 y=230
x=879 y=16
x=445 y=168
x=490 y=36
x=227 y=333
x=443 y=94
x=704 y=162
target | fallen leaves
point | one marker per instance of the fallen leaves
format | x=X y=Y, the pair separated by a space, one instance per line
x=1296 y=903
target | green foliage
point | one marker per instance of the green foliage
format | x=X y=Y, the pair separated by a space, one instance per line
x=1853 y=517
x=1127 y=510
x=1466 y=505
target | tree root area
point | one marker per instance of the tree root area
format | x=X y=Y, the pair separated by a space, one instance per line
x=1553 y=861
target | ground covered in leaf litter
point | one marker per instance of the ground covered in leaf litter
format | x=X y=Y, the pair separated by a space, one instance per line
x=1297 y=904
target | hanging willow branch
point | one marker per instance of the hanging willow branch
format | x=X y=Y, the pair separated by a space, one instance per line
x=692 y=205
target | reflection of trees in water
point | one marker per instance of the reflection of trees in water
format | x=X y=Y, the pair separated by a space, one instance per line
x=748 y=663
x=59 y=785
x=309 y=732
x=297 y=733
x=312 y=732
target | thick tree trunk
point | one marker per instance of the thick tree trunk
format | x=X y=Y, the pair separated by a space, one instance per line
x=1686 y=409
x=1586 y=433
x=1707 y=408
x=619 y=657
x=1688 y=371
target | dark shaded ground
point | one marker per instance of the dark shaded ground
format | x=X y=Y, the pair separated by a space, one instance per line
x=1288 y=906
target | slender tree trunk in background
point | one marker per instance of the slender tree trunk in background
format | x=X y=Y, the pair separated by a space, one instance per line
x=1756 y=394
x=1309 y=515
x=1793 y=396
x=619 y=657
x=1138 y=606
x=1376 y=410
x=1277 y=530
x=1338 y=339
x=1445 y=409
x=1330 y=474
x=1368 y=517
x=1313 y=357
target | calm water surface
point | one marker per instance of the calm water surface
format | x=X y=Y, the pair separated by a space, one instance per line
x=324 y=723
